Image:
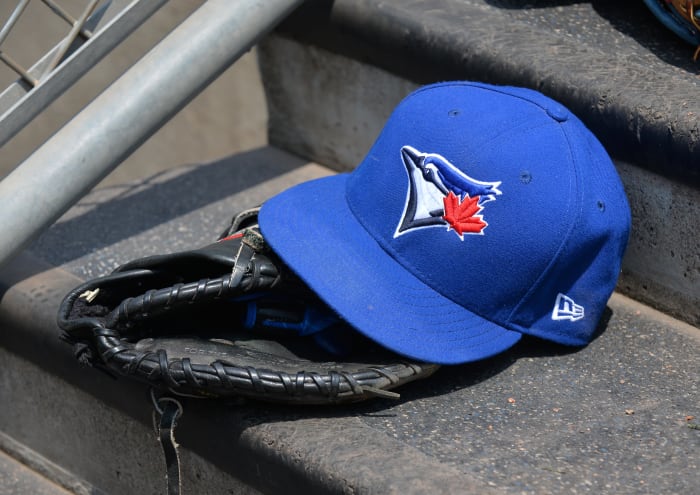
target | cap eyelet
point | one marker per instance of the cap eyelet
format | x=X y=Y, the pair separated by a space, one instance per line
x=525 y=177
x=601 y=205
x=453 y=113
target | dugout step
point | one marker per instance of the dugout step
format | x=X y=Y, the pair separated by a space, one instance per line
x=17 y=478
x=619 y=416
x=613 y=64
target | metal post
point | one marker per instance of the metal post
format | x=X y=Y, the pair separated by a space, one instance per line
x=127 y=113
x=14 y=17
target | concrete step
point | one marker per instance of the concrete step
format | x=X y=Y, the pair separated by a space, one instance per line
x=619 y=416
x=18 y=479
x=612 y=63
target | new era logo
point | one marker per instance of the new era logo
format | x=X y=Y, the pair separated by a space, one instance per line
x=566 y=309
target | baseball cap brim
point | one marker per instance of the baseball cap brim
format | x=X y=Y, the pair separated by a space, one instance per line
x=311 y=227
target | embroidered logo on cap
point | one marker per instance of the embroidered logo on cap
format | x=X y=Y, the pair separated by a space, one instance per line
x=566 y=309
x=439 y=194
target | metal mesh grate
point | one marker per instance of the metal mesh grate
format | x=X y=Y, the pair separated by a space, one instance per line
x=76 y=28
x=82 y=32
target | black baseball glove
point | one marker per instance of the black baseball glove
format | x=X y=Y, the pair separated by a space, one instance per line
x=229 y=319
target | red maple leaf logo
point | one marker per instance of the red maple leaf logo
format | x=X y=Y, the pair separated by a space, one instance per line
x=462 y=214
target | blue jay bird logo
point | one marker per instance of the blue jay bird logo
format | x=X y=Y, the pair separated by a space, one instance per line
x=440 y=194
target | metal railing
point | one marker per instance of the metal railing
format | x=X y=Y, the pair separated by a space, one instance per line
x=128 y=112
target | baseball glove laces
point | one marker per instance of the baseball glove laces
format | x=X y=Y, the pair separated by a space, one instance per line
x=229 y=319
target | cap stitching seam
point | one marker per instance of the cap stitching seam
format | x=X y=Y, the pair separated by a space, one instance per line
x=564 y=242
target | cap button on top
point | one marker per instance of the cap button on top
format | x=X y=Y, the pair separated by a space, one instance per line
x=558 y=113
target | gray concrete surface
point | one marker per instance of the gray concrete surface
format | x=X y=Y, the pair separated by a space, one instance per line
x=23 y=470
x=115 y=452
x=619 y=416
x=17 y=479
x=612 y=63
x=229 y=116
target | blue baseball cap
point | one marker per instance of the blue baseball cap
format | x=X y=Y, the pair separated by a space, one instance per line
x=481 y=213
